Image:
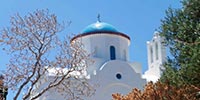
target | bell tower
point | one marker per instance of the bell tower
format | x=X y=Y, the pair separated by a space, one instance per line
x=156 y=53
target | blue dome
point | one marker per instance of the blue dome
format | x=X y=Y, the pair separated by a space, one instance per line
x=99 y=27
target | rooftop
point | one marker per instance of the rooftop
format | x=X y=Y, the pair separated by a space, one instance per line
x=99 y=27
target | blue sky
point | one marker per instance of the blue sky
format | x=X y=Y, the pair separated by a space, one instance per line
x=136 y=18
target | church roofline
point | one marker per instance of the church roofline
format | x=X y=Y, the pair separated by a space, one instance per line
x=102 y=32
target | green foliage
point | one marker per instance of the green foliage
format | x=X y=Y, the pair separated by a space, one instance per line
x=181 y=29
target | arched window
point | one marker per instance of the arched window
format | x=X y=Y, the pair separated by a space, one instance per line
x=125 y=57
x=156 y=51
x=151 y=54
x=112 y=53
x=96 y=51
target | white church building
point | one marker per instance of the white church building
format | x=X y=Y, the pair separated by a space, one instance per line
x=112 y=68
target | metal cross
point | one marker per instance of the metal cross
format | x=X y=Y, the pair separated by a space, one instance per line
x=99 y=18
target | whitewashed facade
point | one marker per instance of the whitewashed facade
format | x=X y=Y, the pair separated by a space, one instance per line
x=156 y=58
x=112 y=71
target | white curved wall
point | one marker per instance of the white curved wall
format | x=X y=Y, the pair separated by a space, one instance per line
x=103 y=73
x=99 y=46
x=109 y=83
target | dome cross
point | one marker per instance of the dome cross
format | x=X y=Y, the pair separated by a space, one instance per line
x=99 y=18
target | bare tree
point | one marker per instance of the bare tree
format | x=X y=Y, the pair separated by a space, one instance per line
x=37 y=52
x=3 y=89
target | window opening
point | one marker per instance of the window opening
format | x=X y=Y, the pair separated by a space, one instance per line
x=156 y=51
x=112 y=53
x=151 y=54
x=118 y=76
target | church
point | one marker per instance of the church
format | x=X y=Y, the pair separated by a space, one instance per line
x=112 y=69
